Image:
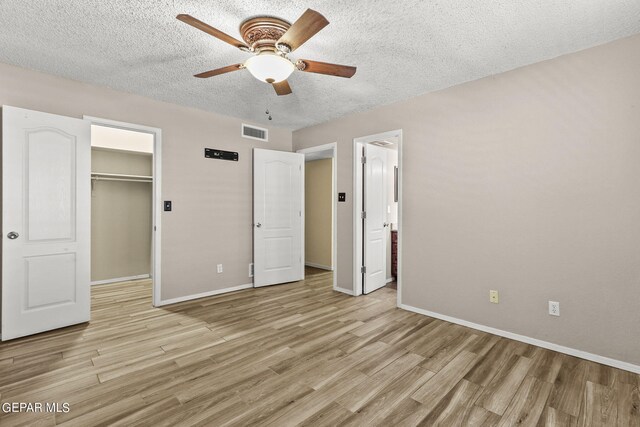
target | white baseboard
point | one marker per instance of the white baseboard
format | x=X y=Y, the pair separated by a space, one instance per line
x=391 y=279
x=343 y=290
x=120 y=279
x=320 y=266
x=534 y=341
x=204 y=294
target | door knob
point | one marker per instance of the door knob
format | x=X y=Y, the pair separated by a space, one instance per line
x=12 y=235
x=258 y=225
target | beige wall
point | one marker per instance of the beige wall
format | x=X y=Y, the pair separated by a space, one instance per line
x=120 y=216
x=526 y=182
x=318 y=243
x=211 y=222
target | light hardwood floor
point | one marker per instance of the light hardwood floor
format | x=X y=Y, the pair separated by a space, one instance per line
x=298 y=354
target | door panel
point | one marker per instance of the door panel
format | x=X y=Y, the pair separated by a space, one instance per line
x=41 y=271
x=46 y=211
x=374 y=224
x=278 y=253
x=278 y=222
x=277 y=180
x=50 y=185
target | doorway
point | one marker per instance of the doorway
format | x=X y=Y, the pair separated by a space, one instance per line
x=46 y=256
x=125 y=203
x=320 y=209
x=377 y=212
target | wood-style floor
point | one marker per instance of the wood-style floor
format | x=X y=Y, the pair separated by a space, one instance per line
x=298 y=354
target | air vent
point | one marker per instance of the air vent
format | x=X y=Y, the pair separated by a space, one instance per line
x=382 y=143
x=253 y=132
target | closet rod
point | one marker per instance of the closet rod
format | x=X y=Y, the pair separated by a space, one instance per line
x=97 y=178
x=119 y=175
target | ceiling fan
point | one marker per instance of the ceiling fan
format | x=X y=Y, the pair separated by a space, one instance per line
x=271 y=39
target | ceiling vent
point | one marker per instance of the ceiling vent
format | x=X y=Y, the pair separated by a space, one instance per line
x=382 y=143
x=253 y=132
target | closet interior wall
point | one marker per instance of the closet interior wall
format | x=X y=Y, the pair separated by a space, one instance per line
x=121 y=215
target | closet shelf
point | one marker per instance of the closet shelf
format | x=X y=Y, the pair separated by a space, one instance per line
x=103 y=176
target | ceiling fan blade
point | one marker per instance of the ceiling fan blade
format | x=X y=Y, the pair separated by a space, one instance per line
x=282 y=88
x=308 y=25
x=327 y=68
x=196 y=23
x=218 y=71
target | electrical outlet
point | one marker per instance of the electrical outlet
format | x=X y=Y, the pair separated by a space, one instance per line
x=493 y=297
x=251 y=270
x=554 y=308
x=219 y=268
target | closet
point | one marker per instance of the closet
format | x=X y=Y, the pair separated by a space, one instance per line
x=121 y=205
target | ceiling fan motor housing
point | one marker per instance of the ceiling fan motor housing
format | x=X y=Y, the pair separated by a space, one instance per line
x=262 y=32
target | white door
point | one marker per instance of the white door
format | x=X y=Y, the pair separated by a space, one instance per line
x=375 y=231
x=278 y=201
x=46 y=173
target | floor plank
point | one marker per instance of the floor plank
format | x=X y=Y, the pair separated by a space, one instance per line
x=497 y=395
x=599 y=407
x=527 y=405
x=629 y=405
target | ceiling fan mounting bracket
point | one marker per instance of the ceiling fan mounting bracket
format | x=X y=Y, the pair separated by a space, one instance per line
x=262 y=32
x=300 y=65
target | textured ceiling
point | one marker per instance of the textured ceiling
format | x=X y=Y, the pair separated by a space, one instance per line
x=401 y=48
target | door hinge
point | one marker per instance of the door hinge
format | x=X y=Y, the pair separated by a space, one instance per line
x=363 y=269
x=363 y=215
x=363 y=159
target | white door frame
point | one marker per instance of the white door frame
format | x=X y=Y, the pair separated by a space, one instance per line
x=358 y=143
x=156 y=239
x=334 y=205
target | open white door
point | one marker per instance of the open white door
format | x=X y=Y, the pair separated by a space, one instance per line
x=46 y=173
x=375 y=233
x=278 y=232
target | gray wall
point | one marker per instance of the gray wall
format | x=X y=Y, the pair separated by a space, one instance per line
x=120 y=216
x=211 y=222
x=527 y=182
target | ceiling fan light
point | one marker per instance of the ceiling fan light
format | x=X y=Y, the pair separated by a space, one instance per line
x=269 y=67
